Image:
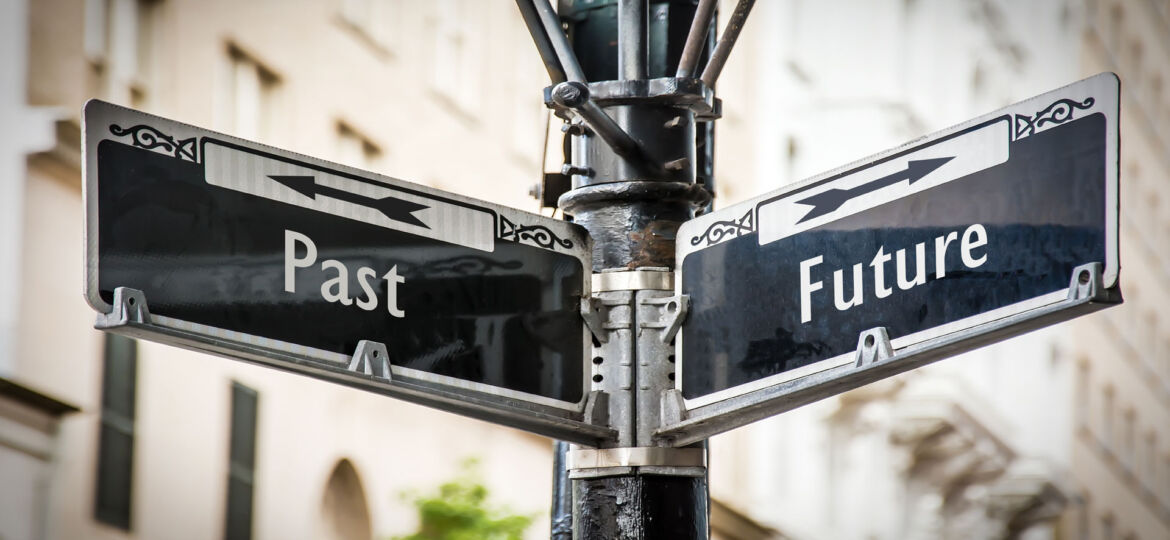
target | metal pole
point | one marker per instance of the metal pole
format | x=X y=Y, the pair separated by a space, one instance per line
x=727 y=41
x=561 y=527
x=632 y=37
x=695 y=39
x=560 y=42
x=634 y=184
x=634 y=162
x=544 y=45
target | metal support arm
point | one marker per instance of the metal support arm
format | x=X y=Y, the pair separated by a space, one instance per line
x=575 y=96
x=560 y=42
x=727 y=41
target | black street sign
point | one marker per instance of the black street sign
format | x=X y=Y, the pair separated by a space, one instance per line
x=953 y=241
x=210 y=242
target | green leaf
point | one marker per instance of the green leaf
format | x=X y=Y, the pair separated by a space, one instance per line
x=460 y=510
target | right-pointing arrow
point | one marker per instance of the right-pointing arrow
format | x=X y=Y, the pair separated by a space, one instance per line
x=392 y=207
x=832 y=199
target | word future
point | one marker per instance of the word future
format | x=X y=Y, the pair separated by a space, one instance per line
x=336 y=289
x=974 y=237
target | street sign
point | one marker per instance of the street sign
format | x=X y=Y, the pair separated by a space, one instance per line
x=210 y=242
x=982 y=231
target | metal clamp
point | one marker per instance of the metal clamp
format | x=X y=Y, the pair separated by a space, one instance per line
x=575 y=96
x=873 y=346
x=591 y=312
x=597 y=408
x=674 y=313
x=129 y=308
x=642 y=279
x=1087 y=282
x=646 y=456
x=370 y=358
x=672 y=409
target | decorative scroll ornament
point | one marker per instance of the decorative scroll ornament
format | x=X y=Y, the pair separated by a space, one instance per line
x=144 y=136
x=1058 y=112
x=534 y=234
x=721 y=230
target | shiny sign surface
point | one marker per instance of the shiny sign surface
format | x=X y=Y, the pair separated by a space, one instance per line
x=274 y=257
x=968 y=226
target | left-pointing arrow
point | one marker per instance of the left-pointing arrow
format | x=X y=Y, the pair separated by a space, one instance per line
x=393 y=208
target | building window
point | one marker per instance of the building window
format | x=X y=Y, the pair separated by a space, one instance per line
x=1116 y=21
x=355 y=149
x=454 y=71
x=1107 y=419
x=119 y=40
x=115 y=458
x=241 y=463
x=1082 y=395
x=250 y=107
x=1128 y=439
x=1166 y=480
x=1150 y=462
x=1148 y=341
x=1084 y=517
x=370 y=20
x=1163 y=359
x=343 y=506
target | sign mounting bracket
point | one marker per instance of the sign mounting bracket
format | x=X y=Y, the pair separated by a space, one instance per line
x=129 y=308
x=370 y=358
x=873 y=346
x=674 y=313
x=1088 y=282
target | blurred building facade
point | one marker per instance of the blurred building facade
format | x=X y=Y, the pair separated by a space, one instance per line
x=171 y=444
x=1063 y=433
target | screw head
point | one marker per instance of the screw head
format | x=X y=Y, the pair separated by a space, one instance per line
x=570 y=94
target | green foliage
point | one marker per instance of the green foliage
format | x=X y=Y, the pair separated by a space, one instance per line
x=460 y=511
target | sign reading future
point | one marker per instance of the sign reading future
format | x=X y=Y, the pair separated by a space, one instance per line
x=255 y=253
x=939 y=243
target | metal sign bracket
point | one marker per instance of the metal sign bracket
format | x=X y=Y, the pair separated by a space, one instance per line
x=1088 y=282
x=370 y=358
x=591 y=312
x=873 y=345
x=597 y=408
x=129 y=308
x=673 y=313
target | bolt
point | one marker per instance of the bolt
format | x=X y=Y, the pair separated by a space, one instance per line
x=573 y=129
x=571 y=94
x=678 y=164
x=573 y=170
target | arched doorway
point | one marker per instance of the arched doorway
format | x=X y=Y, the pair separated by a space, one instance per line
x=344 y=514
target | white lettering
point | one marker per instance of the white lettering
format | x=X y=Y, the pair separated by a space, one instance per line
x=940 y=253
x=341 y=282
x=371 y=300
x=807 y=287
x=858 y=288
x=975 y=236
x=335 y=289
x=919 y=267
x=879 y=273
x=392 y=281
x=291 y=262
